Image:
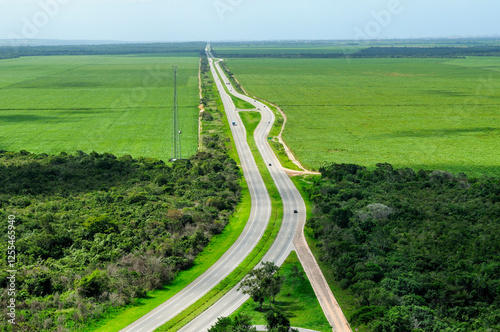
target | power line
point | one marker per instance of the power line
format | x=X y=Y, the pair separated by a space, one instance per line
x=176 y=132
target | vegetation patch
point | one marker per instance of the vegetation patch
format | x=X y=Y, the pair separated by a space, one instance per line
x=241 y=104
x=145 y=50
x=95 y=231
x=360 y=48
x=418 y=249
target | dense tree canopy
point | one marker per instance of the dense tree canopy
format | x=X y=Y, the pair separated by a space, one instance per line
x=419 y=249
x=16 y=51
x=94 y=230
x=240 y=323
x=374 y=52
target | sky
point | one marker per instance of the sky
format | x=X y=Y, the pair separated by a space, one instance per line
x=234 y=20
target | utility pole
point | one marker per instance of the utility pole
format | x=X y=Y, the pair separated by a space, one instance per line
x=176 y=132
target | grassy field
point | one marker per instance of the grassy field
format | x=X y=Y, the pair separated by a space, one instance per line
x=117 y=104
x=420 y=113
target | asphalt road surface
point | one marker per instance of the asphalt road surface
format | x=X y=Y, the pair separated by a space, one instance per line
x=257 y=223
x=292 y=231
x=283 y=244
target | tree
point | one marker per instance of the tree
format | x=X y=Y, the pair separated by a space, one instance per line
x=251 y=285
x=101 y=224
x=262 y=283
x=272 y=281
x=241 y=323
x=93 y=284
x=278 y=322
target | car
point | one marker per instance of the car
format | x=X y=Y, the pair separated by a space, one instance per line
x=295 y=211
x=270 y=164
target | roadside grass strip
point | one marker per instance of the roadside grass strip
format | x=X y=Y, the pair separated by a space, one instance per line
x=238 y=103
x=278 y=148
x=241 y=104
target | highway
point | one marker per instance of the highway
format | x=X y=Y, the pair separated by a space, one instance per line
x=291 y=235
x=283 y=244
x=252 y=233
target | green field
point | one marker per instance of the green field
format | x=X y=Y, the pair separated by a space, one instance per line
x=117 y=104
x=420 y=113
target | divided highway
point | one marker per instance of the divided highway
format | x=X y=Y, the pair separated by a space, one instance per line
x=290 y=236
x=292 y=230
x=256 y=225
x=283 y=244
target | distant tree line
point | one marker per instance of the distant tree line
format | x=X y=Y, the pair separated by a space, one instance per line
x=419 y=249
x=7 y=52
x=378 y=52
x=427 y=52
x=94 y=231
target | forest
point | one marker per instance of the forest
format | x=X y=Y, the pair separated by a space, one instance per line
x=362 y=51
x=7 y=52
x=94 y=231
x=418 y=248
x=376 y=52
